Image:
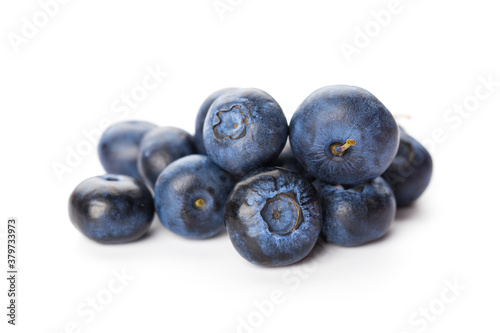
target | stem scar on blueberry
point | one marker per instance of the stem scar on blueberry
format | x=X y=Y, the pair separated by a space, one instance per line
x=230 y=129
x=282 y=214
x=339 y=149
x=199 y=203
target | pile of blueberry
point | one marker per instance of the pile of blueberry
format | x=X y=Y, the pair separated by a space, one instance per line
x=346 y=166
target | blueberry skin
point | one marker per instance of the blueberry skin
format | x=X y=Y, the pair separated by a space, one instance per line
x=334 y=114
x=178 y=191
x=244 y=129
x=200 y=119
x=160 y=147
x=273 y=217
x=356 y=215
x=287 y=160
x=410 y=172
x=118 y=147
x=111 y=209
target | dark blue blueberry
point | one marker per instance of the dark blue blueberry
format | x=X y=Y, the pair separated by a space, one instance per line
x=160 y=147
x=273 y=217
x=355 y=215
x=410 y=172
x=288 y=161
x=244 y=129
x=344 y=135
x=111 y=209
x=119 y=147
x=190 y=195
x=200 y=119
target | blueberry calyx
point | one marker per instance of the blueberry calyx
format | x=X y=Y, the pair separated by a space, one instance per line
x=235 y=126
x=282 y=214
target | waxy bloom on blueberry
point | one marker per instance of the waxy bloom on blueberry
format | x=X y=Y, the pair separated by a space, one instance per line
x=200 y=119
x=410 y=172
x=343 y=135
x=190 y=195
x=355 y=215
x=244 y=129
x=273 y=217
x=160 y=147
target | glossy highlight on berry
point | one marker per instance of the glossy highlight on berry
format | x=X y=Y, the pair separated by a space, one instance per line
x=111 y=209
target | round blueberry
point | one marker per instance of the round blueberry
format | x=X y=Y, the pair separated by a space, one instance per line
x=160 y=147
x=190 y=195
x=410 y=172
x=244 y=129
x=119 y=147
x=111 y=209
x=200 y=119
x=355 y=215
x=344 y=135
x=273 y=217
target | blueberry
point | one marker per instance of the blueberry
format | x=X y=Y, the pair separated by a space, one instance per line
x=288 y=161
x=344 y=135
x=244 y=129
x=200 y=119
x=111 y=209
x=190 y=195
x=355 y=215
x=410 y=172
x=273 y=217
x=119 y=147
x=160 y=147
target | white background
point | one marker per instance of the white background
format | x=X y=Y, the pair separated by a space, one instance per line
x=68 y=76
